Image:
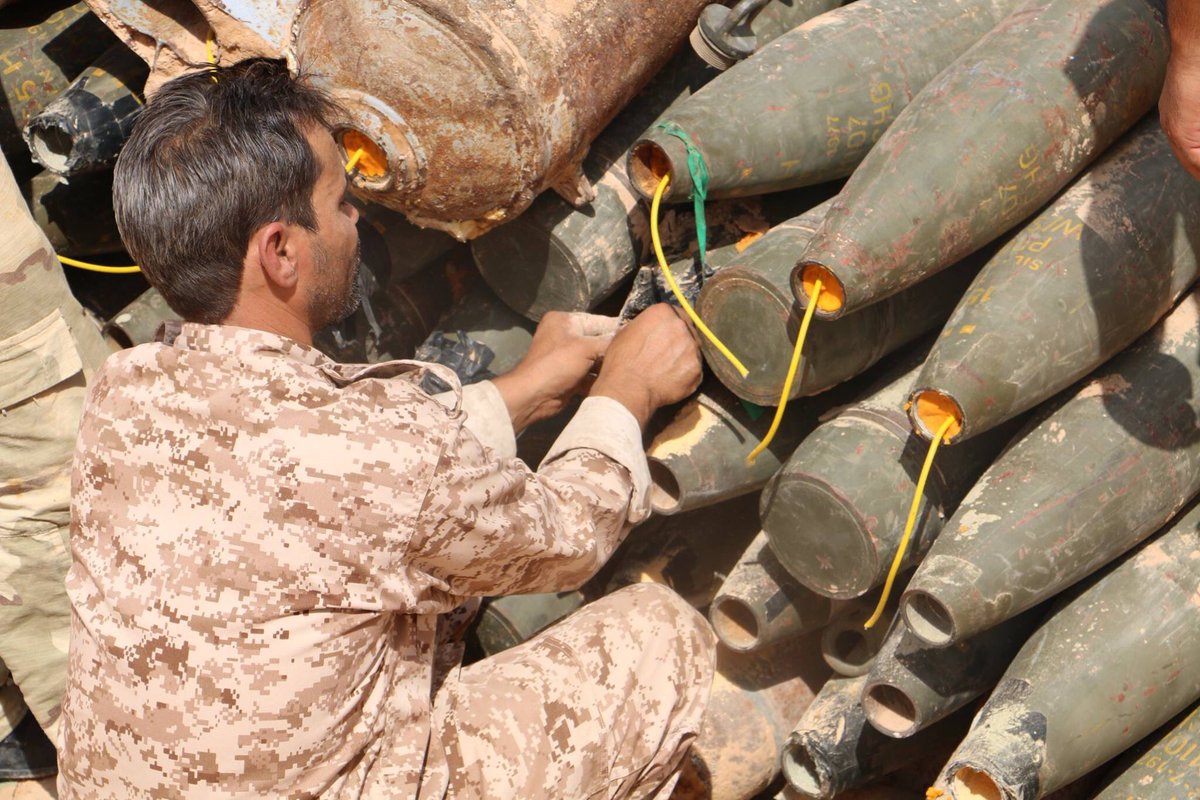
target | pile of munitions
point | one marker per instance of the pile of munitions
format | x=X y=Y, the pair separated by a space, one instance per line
x=989 y=169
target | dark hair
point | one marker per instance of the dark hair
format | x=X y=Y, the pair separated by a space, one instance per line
x=208 y=163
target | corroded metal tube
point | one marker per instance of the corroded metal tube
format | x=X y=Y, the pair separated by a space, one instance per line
x=84 y=128
x=506 y=622
x=760 y=603
x=1166 y=766
x=809 y=105
x=1092 y=476
x=1116 y=659
x=833 y=748
x=77 y=217
x=755 y=700
x=986 y=143
x=847 y=646
x=1095 y=270
x=911 y=685
x=137 y=323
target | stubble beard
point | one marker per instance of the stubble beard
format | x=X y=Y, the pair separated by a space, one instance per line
x=333 y=301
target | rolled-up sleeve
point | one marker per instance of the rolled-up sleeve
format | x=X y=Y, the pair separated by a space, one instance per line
x=493 y=526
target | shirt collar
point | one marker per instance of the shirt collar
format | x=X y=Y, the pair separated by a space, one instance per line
x=235 y=341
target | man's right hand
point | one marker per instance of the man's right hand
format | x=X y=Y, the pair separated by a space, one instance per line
x=653 y=361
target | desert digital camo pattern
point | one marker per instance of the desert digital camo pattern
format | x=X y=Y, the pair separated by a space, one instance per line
x=48 y=350
x=264 y=542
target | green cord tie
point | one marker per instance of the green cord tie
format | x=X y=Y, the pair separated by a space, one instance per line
x=699 y=173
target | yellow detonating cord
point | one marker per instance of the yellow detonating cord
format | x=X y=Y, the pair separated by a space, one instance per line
x=791 y=374
x=212 y=58
x=908 y=526
x=687 y=307
x=99 y=267
x=354 y=159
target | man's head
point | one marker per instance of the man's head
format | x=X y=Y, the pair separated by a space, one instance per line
x=231 y=195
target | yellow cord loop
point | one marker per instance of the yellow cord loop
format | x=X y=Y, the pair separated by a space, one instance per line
x=791 y=375
x=687 y=307
x=908 y=526
x=354 y=160
x=99 y=267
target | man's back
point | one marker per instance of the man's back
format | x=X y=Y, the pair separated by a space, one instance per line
x=235 y=513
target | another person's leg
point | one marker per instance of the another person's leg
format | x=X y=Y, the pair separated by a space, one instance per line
x=602 y=705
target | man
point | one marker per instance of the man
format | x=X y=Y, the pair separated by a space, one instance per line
x=1179 y=105
x=49 y=349
x=268 y=545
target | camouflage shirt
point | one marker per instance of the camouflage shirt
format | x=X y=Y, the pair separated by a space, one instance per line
x=263 y=541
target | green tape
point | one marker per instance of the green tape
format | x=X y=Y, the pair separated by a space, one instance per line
x=754 y=411
x=699 y=172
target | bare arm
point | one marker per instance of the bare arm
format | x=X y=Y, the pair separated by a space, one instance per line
x=1179 y=105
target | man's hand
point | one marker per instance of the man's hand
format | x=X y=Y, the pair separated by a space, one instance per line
x=565 y=348
x=654 y=361
x=1179 y=105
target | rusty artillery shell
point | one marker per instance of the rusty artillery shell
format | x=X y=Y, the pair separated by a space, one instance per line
x=77 y=217
x=1091 y=476
x=555 y=256
x=506 y=622
x=809 y=105
x=847 y=646
x=986 y=143
x=1100 y=266
x=699 y=458
x=1164 y=766
x=912 y=685
x=760 y=604
x=691 y=552
x=755 y=285
x=43 y=47
x=137 y=323
x=836 y=510
x=1113 y=661
x=833 y=749
x=724 y=36
x=84 y=128
x=755 y=699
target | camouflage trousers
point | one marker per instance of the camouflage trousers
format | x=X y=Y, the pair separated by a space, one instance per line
x=602 y=705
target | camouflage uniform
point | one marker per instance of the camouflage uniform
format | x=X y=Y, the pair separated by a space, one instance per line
x=266 y=546
x=48 y=349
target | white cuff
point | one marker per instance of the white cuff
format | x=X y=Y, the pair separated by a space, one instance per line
x=487 y=417
x=604 y=425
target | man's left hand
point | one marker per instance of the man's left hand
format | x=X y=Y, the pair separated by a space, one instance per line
x=559 y=365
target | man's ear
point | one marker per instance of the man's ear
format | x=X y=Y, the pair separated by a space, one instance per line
x=275 y=250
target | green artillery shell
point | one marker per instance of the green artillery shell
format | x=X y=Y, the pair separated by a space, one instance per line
x=699 y=458
x=1086 y=277
x=847 y=646
x=755 y=700
x=394 y=247
x=505 y=622
x=84 y=128
x=43 y=47
x=137 y=323
x=809 y=106
x=833 y=748
x=836 y=511
x=760 y=603
x=723 y=36
x=912 y=685
x=77 y=217
x=691 y=552
x=1115 y=660
x=1167 y=766
x=484 y=320
x=749 y=305
x=1093 y=474
x=986 y=143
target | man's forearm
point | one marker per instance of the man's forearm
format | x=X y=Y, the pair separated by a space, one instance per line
x=1183 y=21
